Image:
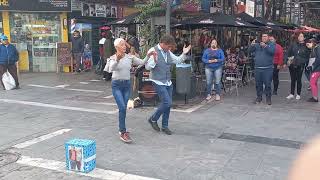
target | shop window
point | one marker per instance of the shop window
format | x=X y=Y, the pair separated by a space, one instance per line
x=37 y=33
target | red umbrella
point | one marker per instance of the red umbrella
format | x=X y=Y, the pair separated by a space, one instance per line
x=305 y=29
x=310 y=29
x=106 y=28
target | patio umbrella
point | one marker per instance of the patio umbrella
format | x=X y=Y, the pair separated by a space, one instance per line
x=131 y=19
x=246 y=17
x=215 y=19
x=310 y=29
x=272 y=25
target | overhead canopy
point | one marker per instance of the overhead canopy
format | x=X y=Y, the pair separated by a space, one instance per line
x=215 y=19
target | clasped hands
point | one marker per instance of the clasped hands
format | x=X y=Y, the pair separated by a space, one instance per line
x=213 y=61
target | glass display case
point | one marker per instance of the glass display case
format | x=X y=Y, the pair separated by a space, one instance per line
x=38 y=34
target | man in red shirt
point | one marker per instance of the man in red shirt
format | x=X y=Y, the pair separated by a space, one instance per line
x=277 y=63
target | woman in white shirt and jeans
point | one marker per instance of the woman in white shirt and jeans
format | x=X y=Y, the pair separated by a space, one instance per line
x=120 y=65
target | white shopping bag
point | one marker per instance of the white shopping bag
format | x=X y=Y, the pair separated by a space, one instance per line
x=107 y=67
x=8 y=81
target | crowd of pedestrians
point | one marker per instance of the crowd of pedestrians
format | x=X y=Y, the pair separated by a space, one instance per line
x=267 y=55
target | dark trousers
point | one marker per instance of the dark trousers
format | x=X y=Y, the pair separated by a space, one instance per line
x=263 y=76
x=77 y=60
x=12 y=68
x=296 y=76
x=121 y=90
x=165 y=96
x=275 y=77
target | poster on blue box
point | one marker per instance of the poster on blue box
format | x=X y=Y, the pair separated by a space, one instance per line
x=76 y=162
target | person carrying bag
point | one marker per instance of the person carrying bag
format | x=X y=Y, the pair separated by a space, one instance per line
x=9 y=56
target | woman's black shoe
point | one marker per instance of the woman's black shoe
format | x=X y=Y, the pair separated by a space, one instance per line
x=313 y=100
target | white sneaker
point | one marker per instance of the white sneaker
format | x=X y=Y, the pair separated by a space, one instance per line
x=298 y=97
x=208 y=97
x=291 y=96
x=218 y=98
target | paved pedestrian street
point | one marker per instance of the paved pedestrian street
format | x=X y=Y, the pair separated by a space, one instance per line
x=230 y=140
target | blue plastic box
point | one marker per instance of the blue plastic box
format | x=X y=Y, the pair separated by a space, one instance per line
x=80 y=155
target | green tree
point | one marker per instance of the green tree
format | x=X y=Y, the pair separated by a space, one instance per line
x=147 y=11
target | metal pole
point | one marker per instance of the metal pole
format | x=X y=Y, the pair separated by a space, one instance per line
x=168 y=15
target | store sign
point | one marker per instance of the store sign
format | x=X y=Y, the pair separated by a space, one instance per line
x=64 y=55
x=99 y=10
x=250 y=7
x=75 y=5
x=36 y=5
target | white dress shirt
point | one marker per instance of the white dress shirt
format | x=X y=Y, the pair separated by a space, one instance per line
x=175 y=60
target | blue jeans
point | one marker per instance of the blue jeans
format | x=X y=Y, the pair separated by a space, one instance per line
x=215 y=74
x=121 y=90
x=263 y=76
x=165 y=96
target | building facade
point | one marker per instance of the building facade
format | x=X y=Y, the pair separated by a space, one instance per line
x=35 y=28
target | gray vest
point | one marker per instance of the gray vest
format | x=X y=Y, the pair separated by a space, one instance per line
x=162 y=71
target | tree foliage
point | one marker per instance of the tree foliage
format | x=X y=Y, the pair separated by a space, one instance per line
x=148 y=10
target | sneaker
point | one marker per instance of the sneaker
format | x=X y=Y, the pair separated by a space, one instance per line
x=154 y=125
x=268 y=101
x=312 y=100
x=167 y=131
x=258 y=100
x=125 y=137
x=298 y=97
x=208 y=97
x=275 y=93
x=291 y=96
x=218 y=98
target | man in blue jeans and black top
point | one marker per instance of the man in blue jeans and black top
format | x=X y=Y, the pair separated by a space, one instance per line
x=264 y=53
x=160 y=75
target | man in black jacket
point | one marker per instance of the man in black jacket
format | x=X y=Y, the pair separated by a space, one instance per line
x=77 y=49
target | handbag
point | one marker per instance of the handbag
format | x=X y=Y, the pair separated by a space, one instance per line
x=290 y=60
x=8 y=81
x=107 y=66
x=311 y=61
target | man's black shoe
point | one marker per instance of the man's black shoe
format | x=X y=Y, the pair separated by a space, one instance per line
x=17 y=87
x=268 y=100
x=154 y=125
x=166 y=130
x=258 y=101
x=275 y=93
